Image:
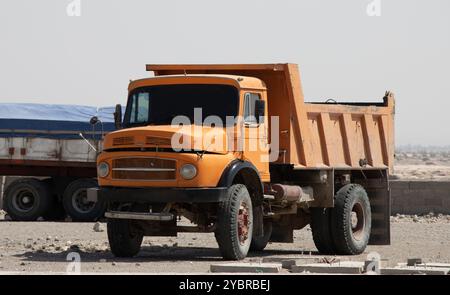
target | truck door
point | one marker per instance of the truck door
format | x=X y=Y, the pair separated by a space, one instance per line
x=255 y=132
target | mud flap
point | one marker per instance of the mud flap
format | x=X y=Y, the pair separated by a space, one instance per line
x=380 y=204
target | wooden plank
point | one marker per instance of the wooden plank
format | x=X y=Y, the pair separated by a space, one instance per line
x=415 y=271
x=244 y=267
x=344 y=267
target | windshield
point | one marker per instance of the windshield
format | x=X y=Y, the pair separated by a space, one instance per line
x=158 y=105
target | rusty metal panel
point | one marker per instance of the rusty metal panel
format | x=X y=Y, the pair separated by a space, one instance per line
x=45 y=149
x=4 y=147
x=144 y=168
x=350 y=136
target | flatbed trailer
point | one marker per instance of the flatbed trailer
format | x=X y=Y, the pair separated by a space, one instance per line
x=48 y=164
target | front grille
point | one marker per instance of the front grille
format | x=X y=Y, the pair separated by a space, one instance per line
x=126 y=140
x=158 y=141
x=144 y=169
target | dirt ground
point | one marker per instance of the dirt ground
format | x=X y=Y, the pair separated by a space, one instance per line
x=422 y=166
x=44 y=246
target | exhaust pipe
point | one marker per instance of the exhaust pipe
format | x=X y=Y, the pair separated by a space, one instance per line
x=292 y=193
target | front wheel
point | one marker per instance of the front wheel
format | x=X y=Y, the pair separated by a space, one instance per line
x=235 y=223
x=124 y=238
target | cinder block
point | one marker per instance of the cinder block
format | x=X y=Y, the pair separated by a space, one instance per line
x=287 y=263
x=398 y=185
x=372 y=266
x=419 y=185
x=243 y=267
x=434 y=201
x=413 y=261
x=344 y=267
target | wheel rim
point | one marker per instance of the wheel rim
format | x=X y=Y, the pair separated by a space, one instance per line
x=243 y=223
x=358 y=221
x=24 y=200
x=80 y=202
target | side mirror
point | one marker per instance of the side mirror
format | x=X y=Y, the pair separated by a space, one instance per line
x=260 y=110
x=118 y=116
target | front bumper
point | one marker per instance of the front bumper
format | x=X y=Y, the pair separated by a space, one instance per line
x=157 y=195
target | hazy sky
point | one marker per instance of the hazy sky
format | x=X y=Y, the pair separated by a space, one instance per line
x=47 y=56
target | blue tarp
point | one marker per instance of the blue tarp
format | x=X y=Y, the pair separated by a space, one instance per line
x=53 y=121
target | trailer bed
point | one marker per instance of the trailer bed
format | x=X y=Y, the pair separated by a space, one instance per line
x=44 y=140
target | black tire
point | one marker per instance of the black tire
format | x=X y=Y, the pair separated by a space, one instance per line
x=351 y=218
x=56 y=212
x=27 y=199
x=259 y=243
x=321 y=230
x=234 y=240
x=124 y=239
x=75 y=203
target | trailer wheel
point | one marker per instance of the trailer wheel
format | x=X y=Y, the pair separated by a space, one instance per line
x=321 y=230
x=56 y=210
x=259 y=243
x=76 y=204
x=351 y=217
x=235 y=223
x=27 y=199
x=124 y=239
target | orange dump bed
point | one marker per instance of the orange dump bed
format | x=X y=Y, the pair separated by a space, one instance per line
x=314 y=135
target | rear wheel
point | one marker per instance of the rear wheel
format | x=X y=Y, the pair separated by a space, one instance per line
x=124 y=238
x=235 y=223
x=27 y=199
x=76 y=204
x=321 y=230
x=351 y=217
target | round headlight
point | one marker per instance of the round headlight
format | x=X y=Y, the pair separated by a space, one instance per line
x=188 y=171
x=103 y=169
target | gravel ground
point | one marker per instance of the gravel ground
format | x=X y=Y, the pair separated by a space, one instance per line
x=43 y=247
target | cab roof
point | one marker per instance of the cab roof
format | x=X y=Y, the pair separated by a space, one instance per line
x=241 y=81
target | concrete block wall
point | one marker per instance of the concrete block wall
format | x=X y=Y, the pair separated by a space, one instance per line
x=420 y=197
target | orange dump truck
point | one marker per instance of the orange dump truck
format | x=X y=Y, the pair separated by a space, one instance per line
x=280 y=163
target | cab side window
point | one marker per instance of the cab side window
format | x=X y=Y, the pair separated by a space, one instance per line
x=250 y=107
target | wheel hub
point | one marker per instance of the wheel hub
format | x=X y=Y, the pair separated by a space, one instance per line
x=23 y=200
x=357 y=221
x=243 y=223
x=80 y=202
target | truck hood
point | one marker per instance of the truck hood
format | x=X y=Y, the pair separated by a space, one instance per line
x=187 y=138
